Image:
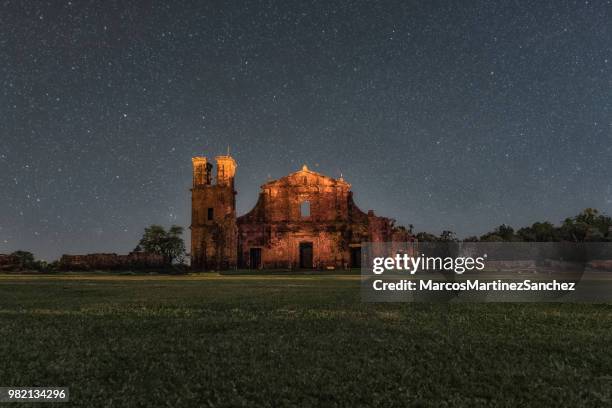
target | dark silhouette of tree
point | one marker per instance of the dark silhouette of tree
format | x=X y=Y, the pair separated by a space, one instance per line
x=539 y=232
x=25 y=259
x=168 y=244
x=448 y=236
x=502 y=233
x=589 y=225
x=426 y=237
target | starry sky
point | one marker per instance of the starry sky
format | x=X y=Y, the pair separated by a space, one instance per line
x=457 y=115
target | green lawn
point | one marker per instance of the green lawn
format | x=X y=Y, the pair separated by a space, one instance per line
x=293 y=341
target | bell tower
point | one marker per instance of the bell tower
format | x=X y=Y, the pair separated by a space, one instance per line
x=226 y=169
x=201 y=171
x=213 y=215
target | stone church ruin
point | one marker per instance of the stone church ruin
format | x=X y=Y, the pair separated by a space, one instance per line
x=305 y=220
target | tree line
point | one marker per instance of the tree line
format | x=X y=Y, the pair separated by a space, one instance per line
x=588 y=226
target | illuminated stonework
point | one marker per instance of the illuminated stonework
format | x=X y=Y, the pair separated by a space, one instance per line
x=304 y=220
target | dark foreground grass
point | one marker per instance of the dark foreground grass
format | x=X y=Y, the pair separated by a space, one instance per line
x=293 y=341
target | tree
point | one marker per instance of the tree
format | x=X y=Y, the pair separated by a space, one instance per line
x=25 y=259
x=426 y=237
x=588 y=216
x=169 y=244
x=589 y=225
x=491 y=237
x=506 y=232
x=539 y=232
x=448 y=236
x=502 y=233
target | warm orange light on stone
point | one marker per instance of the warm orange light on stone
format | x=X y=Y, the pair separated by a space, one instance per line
x=274 y=234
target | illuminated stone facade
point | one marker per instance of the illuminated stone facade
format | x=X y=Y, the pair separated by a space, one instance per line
x=305 y=220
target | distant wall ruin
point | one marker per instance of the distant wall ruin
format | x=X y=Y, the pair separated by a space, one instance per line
x=8 y=262
x=105 y=262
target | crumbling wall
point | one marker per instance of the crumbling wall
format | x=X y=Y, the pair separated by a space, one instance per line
x=134 y=260
x=8 y=262
x=334 y=225
x=601 y=264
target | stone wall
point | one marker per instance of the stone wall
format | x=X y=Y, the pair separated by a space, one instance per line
x=134 y=260
x=334 y=226
x=601 y=264
x=8 y=262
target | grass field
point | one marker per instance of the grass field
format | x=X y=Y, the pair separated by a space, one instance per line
x=277 y=341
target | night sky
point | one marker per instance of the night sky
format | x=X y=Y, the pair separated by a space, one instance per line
x=456 y=115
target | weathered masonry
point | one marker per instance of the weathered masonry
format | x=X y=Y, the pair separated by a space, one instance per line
x=304 y=220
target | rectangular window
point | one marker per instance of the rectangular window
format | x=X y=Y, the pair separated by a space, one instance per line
x=305 y=209
x=210 y=214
